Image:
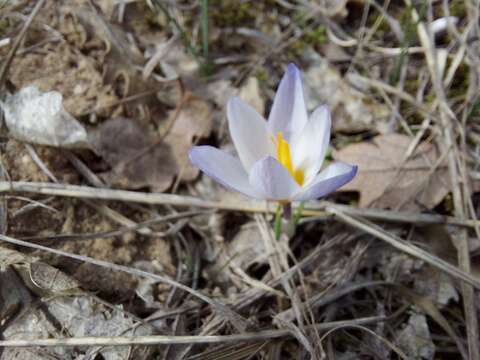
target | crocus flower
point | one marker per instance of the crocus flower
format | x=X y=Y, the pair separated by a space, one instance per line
x=279 y=159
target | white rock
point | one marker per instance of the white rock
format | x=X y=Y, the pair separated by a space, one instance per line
x=40 y=118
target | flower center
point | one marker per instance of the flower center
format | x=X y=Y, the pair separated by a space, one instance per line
x=285 y=158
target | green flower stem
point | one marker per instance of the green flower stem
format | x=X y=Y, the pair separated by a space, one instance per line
x=298 y=214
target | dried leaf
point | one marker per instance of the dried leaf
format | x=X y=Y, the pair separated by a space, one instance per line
x=84 y=316
x=430 y=282
x=193 y=122
x=247 y=248
x=32 y=325
x=436 y=285
x=415 y=339
x=352 y=110
x=397 y=267
x=46 y=280
x=78 y=314
x=145 y=288
x=178 y=62
x=40 y=118
x=250 y=93
x=244 y=251
x=429 y=308
x=379 y=182
x=13 y=295
x=135 y=159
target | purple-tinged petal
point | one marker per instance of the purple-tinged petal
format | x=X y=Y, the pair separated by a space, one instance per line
x=327 y=181
x=272 y=179
x=223 y=168
x=249 y=132
x=310 y=146
x=289 y=112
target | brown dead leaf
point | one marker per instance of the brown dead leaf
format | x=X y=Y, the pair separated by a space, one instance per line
x=377 y=180
x=135 y=159
x=193 y=122
x=430 y=282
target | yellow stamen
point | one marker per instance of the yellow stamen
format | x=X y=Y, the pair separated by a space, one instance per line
x=283 y=152
x=285 y=158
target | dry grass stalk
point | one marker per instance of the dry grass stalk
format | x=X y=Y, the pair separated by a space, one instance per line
x=168 y=340
x=312 y=210
x=17 y=42
x=236 y=320
x=407 y=248
x=456 y=168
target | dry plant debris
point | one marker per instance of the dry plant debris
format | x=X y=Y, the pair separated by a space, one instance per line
x=136 y=160
x=192 y=123
x=66 y=70
x=353 y=112
x=63 y=308
x=115 y=237
x=390 y=177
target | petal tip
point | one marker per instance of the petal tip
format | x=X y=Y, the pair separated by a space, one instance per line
x=325 y=186
x=194 y=152
x=325 y=107
x=235 y=104
x=292 y=68
x=233 y=99
x=349 y=175
x=353 y=172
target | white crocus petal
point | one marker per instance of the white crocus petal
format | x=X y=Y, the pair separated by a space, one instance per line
x=327 y=181
x=273 y=180
x=223 y=168
x=249 y=132
x=310 y=146
x=289 y=112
